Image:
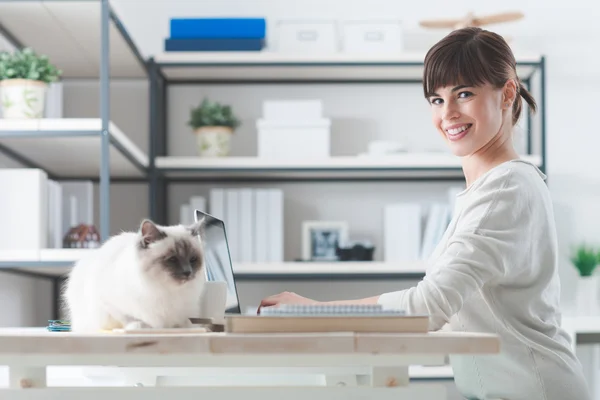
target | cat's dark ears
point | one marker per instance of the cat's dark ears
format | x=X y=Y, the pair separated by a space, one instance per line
x=197 y=228
x=150 y=233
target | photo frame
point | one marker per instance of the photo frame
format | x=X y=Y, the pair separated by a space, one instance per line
x=320 y=239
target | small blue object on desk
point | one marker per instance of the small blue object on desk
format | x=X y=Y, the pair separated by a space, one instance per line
x=59 y=325
x=216 y=34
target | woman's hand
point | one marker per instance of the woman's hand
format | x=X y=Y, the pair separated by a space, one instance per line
x=285 y=298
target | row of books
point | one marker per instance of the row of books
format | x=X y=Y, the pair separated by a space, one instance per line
x=253 y=220
x=411 y=232
x=37 y=212
x=216 y=34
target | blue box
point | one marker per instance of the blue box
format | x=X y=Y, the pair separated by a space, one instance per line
x=214 y=44
x=224 y=28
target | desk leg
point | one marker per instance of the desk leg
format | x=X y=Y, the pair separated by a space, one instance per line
x=26 y=377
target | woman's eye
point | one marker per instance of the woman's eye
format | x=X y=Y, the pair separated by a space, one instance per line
x=465 y=94
x=436 y=101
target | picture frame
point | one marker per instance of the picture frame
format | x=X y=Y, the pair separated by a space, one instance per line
x=320 y=239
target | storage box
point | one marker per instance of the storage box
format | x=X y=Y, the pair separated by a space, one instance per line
x=292 y=109
x=372 y=37
x=293 y=139
x=307 y=37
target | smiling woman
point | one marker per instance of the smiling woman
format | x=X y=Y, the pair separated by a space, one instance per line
x=495 y=269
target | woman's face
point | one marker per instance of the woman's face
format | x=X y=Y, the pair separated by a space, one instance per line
x=469 y=118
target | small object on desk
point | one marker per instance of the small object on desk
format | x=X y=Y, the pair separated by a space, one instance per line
x=59 y=325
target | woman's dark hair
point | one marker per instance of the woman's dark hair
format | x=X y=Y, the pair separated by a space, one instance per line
x=473 y=56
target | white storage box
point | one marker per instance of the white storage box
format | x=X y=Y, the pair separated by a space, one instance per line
x=292 y=109
x=307 y=37
x=294 y=139
x=372 y=37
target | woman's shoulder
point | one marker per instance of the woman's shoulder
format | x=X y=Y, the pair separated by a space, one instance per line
x=505 y=196
x=511 y=177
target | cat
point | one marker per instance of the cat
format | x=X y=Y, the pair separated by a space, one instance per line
x=152 y=278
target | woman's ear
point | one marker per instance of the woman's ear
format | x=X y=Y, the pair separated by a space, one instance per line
x=509 y=93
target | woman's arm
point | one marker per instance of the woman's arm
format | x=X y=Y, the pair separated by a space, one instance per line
x=491 y=228
x=293 y=298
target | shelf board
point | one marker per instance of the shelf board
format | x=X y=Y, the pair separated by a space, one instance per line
x=56 y=262
x=72 y=146
x=436 y=165
x=71 y=36
x=267 y=66
x=43 y=262
x=329 y=270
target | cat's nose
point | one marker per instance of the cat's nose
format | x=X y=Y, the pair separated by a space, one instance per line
x=186 y=274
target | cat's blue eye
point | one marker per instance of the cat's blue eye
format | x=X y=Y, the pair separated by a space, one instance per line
x=193 y=260
x=172 y=259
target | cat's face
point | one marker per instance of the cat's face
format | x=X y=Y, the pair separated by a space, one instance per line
x=173 y=253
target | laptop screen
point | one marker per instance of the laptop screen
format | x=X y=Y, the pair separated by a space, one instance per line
x=217 y=259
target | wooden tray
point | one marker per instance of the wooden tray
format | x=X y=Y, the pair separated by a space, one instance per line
x=304 y=324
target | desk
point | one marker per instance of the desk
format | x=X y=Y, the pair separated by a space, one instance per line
x=353 y=365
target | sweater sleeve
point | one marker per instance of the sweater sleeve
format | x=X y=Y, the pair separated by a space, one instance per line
x=476 y=253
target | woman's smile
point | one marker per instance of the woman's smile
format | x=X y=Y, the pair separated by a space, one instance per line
x=457 y=131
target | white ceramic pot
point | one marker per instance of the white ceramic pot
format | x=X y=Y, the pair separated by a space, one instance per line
x=214 y=141
x=22 y=98
x=587 y=296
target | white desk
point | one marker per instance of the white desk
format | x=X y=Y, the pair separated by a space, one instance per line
x=350 y=365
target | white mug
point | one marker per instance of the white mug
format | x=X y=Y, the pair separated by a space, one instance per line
x=213 y=301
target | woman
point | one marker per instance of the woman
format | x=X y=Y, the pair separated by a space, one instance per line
x=495 y=269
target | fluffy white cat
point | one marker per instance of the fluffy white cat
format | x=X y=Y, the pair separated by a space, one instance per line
x=152 y=278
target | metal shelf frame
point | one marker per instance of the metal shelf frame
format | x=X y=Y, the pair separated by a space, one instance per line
x=107 y=16
x=160 y=179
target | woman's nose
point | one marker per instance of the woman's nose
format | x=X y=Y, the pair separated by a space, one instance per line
x=450 y=111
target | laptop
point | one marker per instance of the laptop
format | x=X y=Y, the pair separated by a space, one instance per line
x=217 y=258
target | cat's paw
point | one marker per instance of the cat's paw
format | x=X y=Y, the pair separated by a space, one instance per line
x=136 y=325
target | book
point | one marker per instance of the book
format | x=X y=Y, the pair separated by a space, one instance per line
x=217 y=44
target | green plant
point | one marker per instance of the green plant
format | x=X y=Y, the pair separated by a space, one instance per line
x=26 y=64
x=212 y=113
x=585 y=259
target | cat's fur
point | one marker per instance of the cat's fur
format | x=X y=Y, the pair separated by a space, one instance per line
x=138 y=280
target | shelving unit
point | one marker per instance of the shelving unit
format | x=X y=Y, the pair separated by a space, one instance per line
x=100 y=150
x=86 y=40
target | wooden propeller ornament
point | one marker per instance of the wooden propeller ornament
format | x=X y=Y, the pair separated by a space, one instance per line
x=471 y=20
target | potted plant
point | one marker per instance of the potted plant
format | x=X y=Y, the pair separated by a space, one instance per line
x=585 y=259
x=24 y=79
x=213 y=124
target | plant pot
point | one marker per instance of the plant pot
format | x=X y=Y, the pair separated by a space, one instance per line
x=22 y=98
x=587 y=295
x=214 y=141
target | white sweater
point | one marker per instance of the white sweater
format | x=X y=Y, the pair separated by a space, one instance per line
x=495 y=271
